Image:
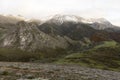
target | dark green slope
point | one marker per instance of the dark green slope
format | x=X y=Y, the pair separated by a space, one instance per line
x=75 y=31
x=103 y=56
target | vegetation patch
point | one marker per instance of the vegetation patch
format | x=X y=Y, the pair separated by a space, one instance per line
x=48 y=55
x=105 y=56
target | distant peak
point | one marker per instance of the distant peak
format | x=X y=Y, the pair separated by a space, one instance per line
x=101 y=20
x=21 y=22
x=60 y=18
x=65 y=16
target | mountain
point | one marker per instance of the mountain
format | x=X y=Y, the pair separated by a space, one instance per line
x=60 y=31
x=66 y=25
x=103 y=56
x=107 y=26
x=101 y=24
x=35 y=21
x=98 y=24
x=27 y=36
x=61 y=39
x=11 y=19
x=59 y=19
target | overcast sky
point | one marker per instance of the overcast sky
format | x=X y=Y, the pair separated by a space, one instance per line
x=109 y=9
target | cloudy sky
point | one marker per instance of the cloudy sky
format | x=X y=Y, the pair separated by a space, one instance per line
x=109 y=9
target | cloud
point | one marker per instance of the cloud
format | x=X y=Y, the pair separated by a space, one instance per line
x=109 y=9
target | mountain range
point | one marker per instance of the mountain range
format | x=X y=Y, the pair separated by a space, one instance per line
x=64 y=39
x=58 y=31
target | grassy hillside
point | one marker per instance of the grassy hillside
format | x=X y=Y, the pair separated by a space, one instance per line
x=47 y=55
x=106 y=44
x=104 y=56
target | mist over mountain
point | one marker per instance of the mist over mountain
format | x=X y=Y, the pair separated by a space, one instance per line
x=59 y=39
x=58 y=31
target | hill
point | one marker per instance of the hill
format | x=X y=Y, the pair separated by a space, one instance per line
x=104 y=56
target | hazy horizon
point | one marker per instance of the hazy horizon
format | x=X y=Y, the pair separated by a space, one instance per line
x=38 y=9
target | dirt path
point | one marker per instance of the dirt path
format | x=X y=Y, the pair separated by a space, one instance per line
x=37 y=71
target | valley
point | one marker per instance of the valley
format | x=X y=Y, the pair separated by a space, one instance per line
x=64 y=47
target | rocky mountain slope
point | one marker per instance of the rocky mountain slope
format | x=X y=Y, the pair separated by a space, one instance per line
x=27 y=36
x=67 y=33
x=60 y=31
x=99 y=24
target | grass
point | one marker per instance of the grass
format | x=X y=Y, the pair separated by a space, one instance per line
x=47 y=55
x=106 y=44
x=104 y=56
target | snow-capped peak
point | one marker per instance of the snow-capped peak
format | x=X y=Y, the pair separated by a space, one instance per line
x=92 y=20
x=99 y=20
x=66 y=18
x=59 y=19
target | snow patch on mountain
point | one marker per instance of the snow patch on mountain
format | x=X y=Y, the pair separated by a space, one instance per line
x=59 y=19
